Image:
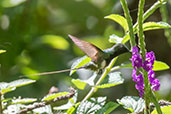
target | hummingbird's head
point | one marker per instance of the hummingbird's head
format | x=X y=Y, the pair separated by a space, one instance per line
x=117 y=49
x=120 y=48
x=114 y=51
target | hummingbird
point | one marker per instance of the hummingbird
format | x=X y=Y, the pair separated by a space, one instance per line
x=99 y=58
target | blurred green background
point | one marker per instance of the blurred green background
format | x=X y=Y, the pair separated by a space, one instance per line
x=35 y=35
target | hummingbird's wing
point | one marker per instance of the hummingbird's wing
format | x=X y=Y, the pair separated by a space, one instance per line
x=91 y=50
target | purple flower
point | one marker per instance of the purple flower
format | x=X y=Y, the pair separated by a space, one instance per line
x=140 y=79
x=136 y=61
x=135 y=50
x=150 y=57
x=137 y=78
x=147 y=65
x=140 y=84
x=140 y=89
x=155 y=85
x=141 y=93
x=151 y=76
x=134 y=75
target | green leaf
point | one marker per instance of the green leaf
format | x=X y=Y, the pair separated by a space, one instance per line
x=119 y=19
x=54 y=41
x=2 y=51
x=155 y=25
x=109 y=107
x=7 y=87
x=90 y=81
x=126 y=38
x=132 y=103
x=11 y=3
x=20 y=82
x=115 y=39
x=126 y=65
x=7 y=100
x=79 y=84
x=53 y=96
x=113 y=79
x=24 y=100
x=123 y=65
x=165 y=110
x=90 y=106
x=3 y=85
x=158 y=65
x=79 y=62
x=148 y=26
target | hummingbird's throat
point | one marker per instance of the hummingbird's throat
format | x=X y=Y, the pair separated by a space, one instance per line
x=103 y=64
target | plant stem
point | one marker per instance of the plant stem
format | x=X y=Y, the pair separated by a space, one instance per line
x=146 y=94
x=115 y=68
x=129 y=21
x=140 y=28
x=155 y=101
x=147 y=88
x=106 y=71
x=165 y=18
x=143 y=52
x=90 y=93
x=0 y=103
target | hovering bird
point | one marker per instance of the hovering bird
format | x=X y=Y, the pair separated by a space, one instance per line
x=100 y=58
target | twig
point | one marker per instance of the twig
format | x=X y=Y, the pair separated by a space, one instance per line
x=42 y=104
x=161 y=103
